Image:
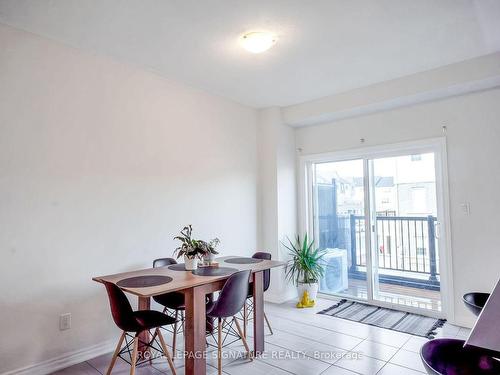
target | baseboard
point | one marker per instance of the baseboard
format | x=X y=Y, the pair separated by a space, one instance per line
x=66 y=360
x=465 y=322
x=279 y=298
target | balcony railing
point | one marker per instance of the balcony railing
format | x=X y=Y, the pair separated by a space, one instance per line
x=406 y=247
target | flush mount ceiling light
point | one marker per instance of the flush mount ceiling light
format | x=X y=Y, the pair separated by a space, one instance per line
x=258 y=41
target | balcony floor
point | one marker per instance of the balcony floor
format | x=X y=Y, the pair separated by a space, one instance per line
x=397 y=294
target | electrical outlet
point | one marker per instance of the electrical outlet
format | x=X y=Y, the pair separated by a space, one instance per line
x=64 y=321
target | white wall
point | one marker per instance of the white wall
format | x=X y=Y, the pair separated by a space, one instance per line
x=277 y=194
x=473 y=139
x=100 y=165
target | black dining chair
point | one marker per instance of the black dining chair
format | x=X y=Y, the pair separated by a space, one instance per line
x=135 y=322
x=173 y=303
x=248 y=307
x=229 y=303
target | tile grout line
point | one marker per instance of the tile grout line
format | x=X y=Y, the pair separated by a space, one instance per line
x=87 y=362
x=324 y=328
x=279 y=368
x=403 y=365
x=347 y=334
x=385 y=362
x=333 y=365
x=310 y=339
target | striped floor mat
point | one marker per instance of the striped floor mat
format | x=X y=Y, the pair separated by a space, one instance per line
x=401 y=321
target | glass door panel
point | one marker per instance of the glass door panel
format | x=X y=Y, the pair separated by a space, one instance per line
x=404 y=216
x=339 y=226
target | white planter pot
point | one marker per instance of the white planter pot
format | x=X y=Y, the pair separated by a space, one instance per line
x=190 y=264
x=312 y=290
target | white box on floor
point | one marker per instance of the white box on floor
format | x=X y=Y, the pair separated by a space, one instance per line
x=335 y=276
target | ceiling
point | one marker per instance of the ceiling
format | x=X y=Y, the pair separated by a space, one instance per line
x=325 y=46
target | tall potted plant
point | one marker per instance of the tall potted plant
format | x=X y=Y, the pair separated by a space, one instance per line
x=190 y=248
x=305 y=267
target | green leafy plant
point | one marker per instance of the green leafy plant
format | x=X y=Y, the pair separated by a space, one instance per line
x=209 y=247
x=305 y=265
x=189 y=247
x=212 y=245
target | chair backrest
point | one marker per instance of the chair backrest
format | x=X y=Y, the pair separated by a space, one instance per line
x=162 y=262
x=233 y=295
x=122 y=312
x=267 y=273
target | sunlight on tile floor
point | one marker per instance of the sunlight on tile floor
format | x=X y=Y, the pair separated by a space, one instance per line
x=304 y=343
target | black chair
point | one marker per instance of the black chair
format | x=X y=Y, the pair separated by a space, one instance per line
x=172 y=302
x=451 y=357
x=229 y=303
x=135 y=322
x=248 y=308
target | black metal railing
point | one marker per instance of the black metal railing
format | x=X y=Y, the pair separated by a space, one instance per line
x=403 y=243
x=406 y=247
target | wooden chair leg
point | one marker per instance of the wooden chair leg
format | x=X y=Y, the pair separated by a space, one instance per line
x=134 y=355
x=245 y=344
x=115 y=354
x=268 y=324
x=219 y=346
x=174 y=340
x=165 y=351
x=245 y=320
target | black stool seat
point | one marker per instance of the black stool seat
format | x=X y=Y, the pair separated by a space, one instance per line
x=475 y=301
x=450 y=357
x=149 y=319
x=172 y=300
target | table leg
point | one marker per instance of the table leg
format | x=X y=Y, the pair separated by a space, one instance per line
x=258 y=313
x=194 y=331
x=144 y=304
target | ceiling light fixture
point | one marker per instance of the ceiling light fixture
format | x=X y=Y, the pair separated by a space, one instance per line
x=258 y=41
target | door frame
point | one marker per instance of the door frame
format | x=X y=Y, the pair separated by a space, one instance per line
x=435 y=145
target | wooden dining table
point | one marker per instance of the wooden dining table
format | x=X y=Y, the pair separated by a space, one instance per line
x=195 y=289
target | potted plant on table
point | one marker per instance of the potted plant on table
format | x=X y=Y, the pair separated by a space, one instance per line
x=209 y=250
x=304 y=269
x=190 y=248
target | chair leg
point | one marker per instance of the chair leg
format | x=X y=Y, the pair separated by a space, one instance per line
x=165 y=351
x=182 y=321
x=174 y=340
x=115 y=354
x=268 y=324
x=245 y=320
x=245 y=344
x=219 y=346
x=134 y=355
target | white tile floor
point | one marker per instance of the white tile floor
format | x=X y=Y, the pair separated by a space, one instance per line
x=304 y=343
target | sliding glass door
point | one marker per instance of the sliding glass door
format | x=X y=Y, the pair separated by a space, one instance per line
x=339 y=202
x=406 y=251
x=378 y=218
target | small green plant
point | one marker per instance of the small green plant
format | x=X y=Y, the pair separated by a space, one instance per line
x=305 y=265
x=189 y=247
x=209 y=247
x=212 y=245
